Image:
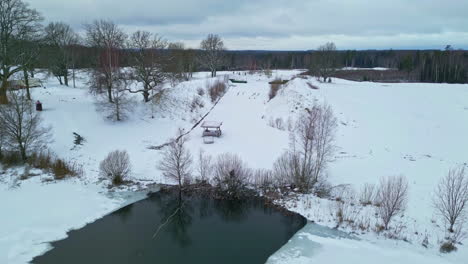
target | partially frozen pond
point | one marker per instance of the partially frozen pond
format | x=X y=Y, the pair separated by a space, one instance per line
x=161 y=229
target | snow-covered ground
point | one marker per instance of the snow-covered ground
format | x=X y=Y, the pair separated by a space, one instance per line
x=416 y=130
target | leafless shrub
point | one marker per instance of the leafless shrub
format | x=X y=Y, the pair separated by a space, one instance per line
x=231 y=175
x=200 y=91
x=216 y=90
x=447 y=247
x=264 y=179
x=451 y=198
x=116 y=166
x=205 y=166
x=177 y=161
x=196 y=103
x=61 y=169
x=22 y=129
x=392 y=195
x=275 y=86
x=367 y=195
x=311 y=148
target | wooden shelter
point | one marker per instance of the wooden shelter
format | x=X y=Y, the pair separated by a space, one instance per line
x=211 y=128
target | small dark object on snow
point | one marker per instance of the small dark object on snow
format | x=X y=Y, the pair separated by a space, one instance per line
x=278 y=82
x=38 y=106
x=237 y=81
x=79 y=140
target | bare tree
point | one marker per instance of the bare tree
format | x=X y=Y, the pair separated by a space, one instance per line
x=109 y=38
x=212 y=55
x=205 y=166
x=311 y=148
x=22 y=126
x=122 y=104
x=324 y=61
x=61 y=37
x=18 y=25
x=392 y=197
x=451 y=197
x=116 y=166
x=177 y=161
x=231 y=175
x=149 y=61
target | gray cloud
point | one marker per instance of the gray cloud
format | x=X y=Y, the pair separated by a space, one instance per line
x=280 y=24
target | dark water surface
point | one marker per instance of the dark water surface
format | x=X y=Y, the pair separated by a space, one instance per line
x=199 y=230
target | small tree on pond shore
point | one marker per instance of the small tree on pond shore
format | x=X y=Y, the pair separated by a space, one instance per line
x=177 y=161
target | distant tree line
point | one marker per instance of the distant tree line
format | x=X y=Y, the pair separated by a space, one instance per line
x=27 y=44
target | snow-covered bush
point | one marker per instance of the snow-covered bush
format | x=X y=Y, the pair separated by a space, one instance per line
x=116 y=166
x=392 y=197
x=231 y=175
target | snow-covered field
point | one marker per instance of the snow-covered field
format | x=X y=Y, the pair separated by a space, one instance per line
x=416 y=130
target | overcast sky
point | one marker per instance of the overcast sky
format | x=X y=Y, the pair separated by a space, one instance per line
x=280 y=24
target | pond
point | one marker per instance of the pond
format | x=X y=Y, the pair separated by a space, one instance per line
x=163 y=229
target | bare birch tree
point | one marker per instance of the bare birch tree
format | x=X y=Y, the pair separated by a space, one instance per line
x=392 y=197
x=311 y=148
x=22 y=126
x=212 y=53
x=19 y=24
x=451 y=197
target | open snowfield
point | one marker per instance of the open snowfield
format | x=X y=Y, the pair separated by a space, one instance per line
x=415 y=130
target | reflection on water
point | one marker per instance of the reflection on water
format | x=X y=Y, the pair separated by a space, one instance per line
x=164 y=229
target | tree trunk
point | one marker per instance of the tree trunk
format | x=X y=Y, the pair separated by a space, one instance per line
x=65 y=78
x=26 y=84
x=146 y=93
x=24 y=157
x=109 y=94
x=3 y=92
x=60 y=80
x=73 y=76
